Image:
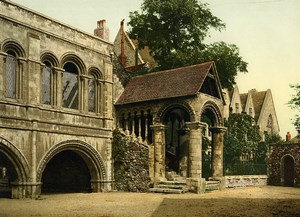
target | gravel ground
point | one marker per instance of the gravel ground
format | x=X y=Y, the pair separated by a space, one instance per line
x=251 y=201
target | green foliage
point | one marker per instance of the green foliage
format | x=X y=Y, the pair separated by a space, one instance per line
x=227 y=60
x=175 y=31
x=295 y=104
x=206 y=158
x=130 y=164
x=242 y=137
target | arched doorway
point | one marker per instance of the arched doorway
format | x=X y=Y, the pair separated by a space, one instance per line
x=66 y=172
x=212 y=118
x=14 y=171
x=177 y=140
x=8 y=174
x=72 y=166
x=288 y=171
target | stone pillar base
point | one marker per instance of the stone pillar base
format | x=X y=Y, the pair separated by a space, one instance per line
x=101 y=185
x=25 y=190
x=221 y=179
x=196 y=185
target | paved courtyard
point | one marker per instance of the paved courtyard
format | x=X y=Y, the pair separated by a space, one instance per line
x=251 y=201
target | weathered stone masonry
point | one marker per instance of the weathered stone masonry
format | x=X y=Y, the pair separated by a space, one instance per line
x=42 y=117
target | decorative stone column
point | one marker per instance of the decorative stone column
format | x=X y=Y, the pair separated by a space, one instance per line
x=217 y=150
x=159 y=151
x=195 y=149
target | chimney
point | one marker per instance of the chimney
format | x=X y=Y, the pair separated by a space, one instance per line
x=288 y=137
x=122 y=55
x=102 y=31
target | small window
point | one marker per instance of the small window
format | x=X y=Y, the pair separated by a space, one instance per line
x=237 y=107
x=270 y=122
x=70 y=86
x=46 y=84
x=11 y=75
x=250 y=112
x=92 y=95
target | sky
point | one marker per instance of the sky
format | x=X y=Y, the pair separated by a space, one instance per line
x=267 y=33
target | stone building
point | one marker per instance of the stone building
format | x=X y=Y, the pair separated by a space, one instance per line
x=131 y=57
x=258 y=104
x=166 y=110
x=56 y=105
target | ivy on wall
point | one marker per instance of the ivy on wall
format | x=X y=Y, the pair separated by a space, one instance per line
x=131 y=170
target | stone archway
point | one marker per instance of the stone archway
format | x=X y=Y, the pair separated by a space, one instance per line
x=14 y=171
x=211 y=116
x=78 y=156
x=288 y=170
x=176 y=139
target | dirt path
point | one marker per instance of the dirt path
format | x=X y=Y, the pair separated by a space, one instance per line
x=259 y=201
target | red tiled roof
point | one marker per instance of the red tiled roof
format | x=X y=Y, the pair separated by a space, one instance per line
x=184 y=81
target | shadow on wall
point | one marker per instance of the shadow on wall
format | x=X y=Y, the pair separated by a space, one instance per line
x=228 y=207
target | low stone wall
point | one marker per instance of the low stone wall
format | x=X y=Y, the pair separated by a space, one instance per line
x=245 y=181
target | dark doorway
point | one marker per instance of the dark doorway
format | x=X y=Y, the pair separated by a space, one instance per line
x=8 y=174
x=176 y=140
x=66 y=172
x=289 y=171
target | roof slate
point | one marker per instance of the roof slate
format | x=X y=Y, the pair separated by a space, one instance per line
x=184 y=81
x=258 y=100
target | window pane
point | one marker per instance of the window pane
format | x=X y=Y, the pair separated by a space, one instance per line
x=70 y=90
x=11 y=67
x=46 y=85
x=92 y=95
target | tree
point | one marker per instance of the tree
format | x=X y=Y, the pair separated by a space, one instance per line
x=175 y=31
x=295 y=104
x=242 y=137
x=227 y=59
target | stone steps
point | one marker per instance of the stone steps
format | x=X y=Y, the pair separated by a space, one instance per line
x=212 y=186
x=170 y=187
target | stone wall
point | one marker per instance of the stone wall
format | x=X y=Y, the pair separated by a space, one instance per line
x=131 y=169
x=245 y=181
x=277 y=154
x=33 y=132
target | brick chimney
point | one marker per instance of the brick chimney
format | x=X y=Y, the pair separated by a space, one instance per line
x=122 y=55
x=102 y=31
x=288 y=137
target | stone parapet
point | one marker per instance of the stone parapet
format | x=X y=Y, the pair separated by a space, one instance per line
x=245 y=181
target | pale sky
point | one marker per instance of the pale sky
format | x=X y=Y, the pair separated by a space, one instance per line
x=267 y=33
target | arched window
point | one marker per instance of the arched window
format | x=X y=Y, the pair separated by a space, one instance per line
x=92 y=94
x=70 y=86
x=46 y=83
x=270 y=124
x=11 y=75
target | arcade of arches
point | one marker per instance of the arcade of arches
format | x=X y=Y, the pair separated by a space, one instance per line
x=176 y=137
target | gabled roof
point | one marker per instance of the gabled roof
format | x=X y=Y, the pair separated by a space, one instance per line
x=244 y=97
x=184 y=81
x=258 y=100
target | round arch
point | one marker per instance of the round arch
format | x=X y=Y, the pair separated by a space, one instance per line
x=287 y=170
x=89 y=154
x=50 y=56
x=72 y=58
x=181 y=105
x=16 y=159
x=212 y=110
x=175 y=117
x=95 y=72
x=13 y=45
